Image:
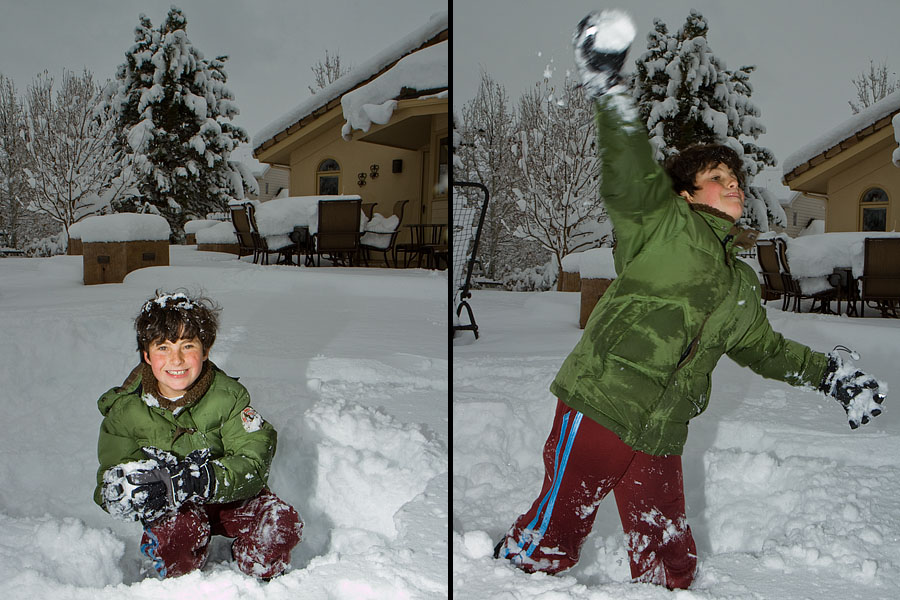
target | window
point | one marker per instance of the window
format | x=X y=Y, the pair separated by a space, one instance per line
x=328 y=176
x=873 y=210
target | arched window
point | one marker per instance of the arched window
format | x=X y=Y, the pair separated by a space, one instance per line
x=873 y=210
x=328 y=177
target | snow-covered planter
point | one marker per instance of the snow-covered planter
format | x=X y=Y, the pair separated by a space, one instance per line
x=597 y=271
x=218 y=238
x=192 y=227
x=570 y=273
x=115 y=245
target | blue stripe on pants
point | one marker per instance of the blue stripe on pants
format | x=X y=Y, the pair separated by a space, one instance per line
x=559 y=467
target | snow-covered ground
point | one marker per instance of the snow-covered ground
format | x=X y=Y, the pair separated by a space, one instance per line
x=784 y=500
x=349 y=365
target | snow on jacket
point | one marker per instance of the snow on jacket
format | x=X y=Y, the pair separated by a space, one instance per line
x=681 y=300
x=241 y=443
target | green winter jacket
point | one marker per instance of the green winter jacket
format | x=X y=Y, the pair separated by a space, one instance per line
x=681 y=300
x=241 y=443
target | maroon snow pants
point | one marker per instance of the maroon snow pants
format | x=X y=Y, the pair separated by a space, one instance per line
x=583 y=462
x=265 y=529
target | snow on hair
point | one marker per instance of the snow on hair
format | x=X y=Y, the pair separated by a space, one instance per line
x=174 y=316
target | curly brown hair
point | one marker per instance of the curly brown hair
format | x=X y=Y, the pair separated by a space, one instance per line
x=174 y=316
x=684 y=167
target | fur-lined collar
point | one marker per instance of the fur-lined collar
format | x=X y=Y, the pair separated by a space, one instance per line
x=713 y=211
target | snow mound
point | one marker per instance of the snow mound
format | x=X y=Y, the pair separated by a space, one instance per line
x=64 y=550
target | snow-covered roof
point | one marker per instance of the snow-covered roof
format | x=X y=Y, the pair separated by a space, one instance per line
x=367 y=71
x=875 y=116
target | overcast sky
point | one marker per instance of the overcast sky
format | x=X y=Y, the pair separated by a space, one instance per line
x=806 y=51
x=271 y=44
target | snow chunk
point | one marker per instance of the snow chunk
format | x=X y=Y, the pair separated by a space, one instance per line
x=374 y=102
x=895 y=157
x=364 y=71
x=124 y=227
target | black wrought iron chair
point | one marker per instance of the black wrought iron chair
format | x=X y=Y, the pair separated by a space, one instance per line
x=880 y=281
x=338 y=231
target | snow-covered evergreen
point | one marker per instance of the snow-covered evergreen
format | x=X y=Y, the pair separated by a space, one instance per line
x=175 y=115
x=687 y=96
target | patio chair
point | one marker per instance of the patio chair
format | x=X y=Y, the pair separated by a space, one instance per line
x=880 y=281
x=261 y=246
x=366 y=248
x=770 y=266
x=792 y=285
x=368 y=209
x=240 y=218
x=338 y=231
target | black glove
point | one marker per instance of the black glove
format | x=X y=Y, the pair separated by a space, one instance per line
x=601 y=41
x=175 y=482
x=861 y=395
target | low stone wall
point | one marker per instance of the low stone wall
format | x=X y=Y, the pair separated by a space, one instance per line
x=591 y=292
x=229 y=248
x=568 y=282
x=74 y=247
x=110 y=262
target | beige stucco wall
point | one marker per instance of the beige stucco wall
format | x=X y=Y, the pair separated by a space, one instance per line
x=847 y=187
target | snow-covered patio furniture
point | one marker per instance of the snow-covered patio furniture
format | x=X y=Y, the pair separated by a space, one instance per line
x=469 y=211
x=597 y=271
x=381 y=234
x=115 y=245
x=241 y=218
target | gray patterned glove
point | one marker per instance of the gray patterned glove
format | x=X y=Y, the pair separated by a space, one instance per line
x=861 y=395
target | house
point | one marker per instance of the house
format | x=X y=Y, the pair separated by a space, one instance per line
x=851 y=168
x=380 y=131
x=801 y=210
x=272 y=181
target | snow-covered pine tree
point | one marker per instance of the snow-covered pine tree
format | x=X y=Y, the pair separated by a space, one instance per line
x=175 y=114
x=687 y=96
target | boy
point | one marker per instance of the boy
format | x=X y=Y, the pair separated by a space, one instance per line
x=642 y=368
x=182 y=450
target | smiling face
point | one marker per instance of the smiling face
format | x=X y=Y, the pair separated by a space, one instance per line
x=176 y=364
x=718 y=188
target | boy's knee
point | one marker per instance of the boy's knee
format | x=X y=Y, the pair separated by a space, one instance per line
x=178 y=544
